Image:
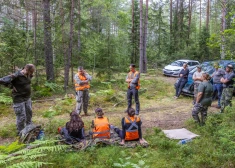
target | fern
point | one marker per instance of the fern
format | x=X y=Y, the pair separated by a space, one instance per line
x=28 y=165
x=5 y=99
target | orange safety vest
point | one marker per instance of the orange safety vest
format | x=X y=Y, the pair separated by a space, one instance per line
x=132 y=132
x=129 y=77
x=101 y=128
x=81 y=87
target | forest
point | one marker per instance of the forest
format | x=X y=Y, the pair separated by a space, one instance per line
x=105 y=37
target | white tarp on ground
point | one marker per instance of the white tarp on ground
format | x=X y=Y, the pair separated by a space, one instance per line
x=179 y=134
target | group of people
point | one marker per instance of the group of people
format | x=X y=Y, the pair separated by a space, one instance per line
x=101 y=128
x=203 y=89
x=20 y=83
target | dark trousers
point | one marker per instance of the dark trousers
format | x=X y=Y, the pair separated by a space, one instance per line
x=218 y=87
x=119 y=132
x=130 y=93
x=179 y=87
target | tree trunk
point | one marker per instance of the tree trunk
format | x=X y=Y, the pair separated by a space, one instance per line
x=47 y=41
x=170 y=16
x=133 y=32
x=200 y=24
x=189 y=19
x=66 y=78
x=207 y=15
x=79 y=29
x=145 y=39
x=141 y=68
x=223 y=27
x=71 y=40
x=35 y=39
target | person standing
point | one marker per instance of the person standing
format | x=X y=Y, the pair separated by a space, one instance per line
x=81 y=80
x=133 y=80
x=203 y=99
x=182 y=81
x=20 y=83
x=228 y=82
x=217 y=85
x=197 y=77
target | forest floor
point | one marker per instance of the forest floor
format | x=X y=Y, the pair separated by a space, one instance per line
x=163 y=112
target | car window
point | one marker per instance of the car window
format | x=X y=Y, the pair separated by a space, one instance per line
x=177 y=63
x=194 y=63
x=190 y=64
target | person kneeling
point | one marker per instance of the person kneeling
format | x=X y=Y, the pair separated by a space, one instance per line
x=131 y=128
x=100 y=125
x=74 y=129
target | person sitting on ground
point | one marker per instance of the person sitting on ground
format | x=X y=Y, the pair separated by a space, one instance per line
x=203 y=100
x=74 y=129
x=182 y=81
x=100 y=125
x=131 y=128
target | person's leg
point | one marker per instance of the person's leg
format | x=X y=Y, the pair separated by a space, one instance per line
x=119 y=132
x=85 y=100
x=129 y=98
x=228 y=96
x=19 y=109
x=79 y=99
x=182 y=84
x=137 y=103
x=29 y=113
x=195 y=111
x=203 y=115
x=222 y=100
x=219 y=90
x=215 y=91
x=177 y=88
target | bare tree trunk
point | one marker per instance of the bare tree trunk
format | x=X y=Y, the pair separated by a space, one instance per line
x=189 y=19
x=170 y=16
x=133 y=32
x=47 y=41
x=207 y=15
x=79 y=29
x=141 y=38
x=145 y=39
x=35 y=39
x=66 y=78
x=200 y=24
x=223 y=27
x=71 y=39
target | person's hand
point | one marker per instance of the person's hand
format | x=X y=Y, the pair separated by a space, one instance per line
x=181 y=75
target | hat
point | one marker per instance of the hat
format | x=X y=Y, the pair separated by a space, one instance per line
x=230 y=66
x=99 y=111
x=216 y=65
x=199 y=66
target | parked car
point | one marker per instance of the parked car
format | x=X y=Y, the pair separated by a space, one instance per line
x=188 y=89
x=175 y=67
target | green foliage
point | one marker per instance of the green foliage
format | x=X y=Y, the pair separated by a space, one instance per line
x=5 y=99
x=8 y=131
x=14 y=146
x=30 y=157
x=54 y=87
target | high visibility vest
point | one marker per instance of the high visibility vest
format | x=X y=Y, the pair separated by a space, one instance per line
x=130 y=77
x=81 y=87
x=132 y=131
x=101 y=128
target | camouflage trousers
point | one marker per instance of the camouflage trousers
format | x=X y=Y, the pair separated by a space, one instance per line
x=82 y=98
x=23 y=113
x=226 y=98
x=198 y=108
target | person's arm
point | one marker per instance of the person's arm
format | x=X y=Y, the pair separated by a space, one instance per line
x=228 y=79
x=136 y=79
x=92 y=124
x=127 y=79
x=201 y=89
x=89 y=77
x=83 y=133
x=79 y=81
x=194 y=76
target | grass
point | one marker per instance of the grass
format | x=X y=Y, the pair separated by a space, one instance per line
x=214 y=148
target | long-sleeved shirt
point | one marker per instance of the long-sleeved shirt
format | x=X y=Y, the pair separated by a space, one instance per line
x=21 y=85
x=76 y=134
x=184 y=73
x=79 y=81
x=135 y=79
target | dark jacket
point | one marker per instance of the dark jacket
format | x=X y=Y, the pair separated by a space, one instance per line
x=21 y=85
x=125 y=126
